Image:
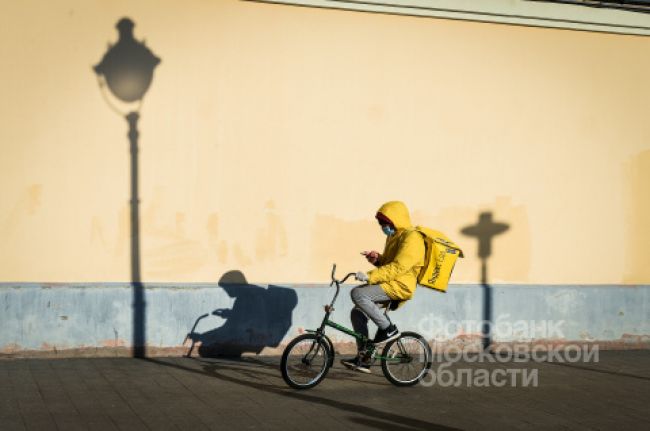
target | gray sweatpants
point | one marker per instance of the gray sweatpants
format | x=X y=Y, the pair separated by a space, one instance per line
x=365 y=298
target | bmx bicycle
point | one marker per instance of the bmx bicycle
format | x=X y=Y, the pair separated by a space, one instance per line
x=308 y=357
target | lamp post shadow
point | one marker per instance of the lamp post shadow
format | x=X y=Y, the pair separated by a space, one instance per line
x=139 y=304
x=125 y=73
x=484 y=230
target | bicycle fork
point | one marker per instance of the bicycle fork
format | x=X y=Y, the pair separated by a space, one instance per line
x=305 y=359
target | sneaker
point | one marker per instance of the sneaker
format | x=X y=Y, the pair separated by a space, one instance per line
x=356 y=364
x=388 y=334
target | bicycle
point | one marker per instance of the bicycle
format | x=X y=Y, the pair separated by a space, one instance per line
x=307 y=358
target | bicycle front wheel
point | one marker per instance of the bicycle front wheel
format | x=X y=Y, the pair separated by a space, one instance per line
x=305 y=361
x=406 y=360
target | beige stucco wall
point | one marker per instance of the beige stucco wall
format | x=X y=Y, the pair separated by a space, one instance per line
x=272 y=133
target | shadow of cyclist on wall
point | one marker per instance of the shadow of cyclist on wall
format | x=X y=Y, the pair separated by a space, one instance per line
x=260 y=317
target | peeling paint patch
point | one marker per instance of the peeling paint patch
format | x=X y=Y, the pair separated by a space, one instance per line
x=584 y=335
x=272 y=238
x=635 y=339
x=117 y=342
x=10 y=348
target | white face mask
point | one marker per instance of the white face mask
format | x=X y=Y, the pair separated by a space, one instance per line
x=387 y=230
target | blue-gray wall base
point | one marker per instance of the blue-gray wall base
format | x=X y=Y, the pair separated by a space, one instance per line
x=97 y=319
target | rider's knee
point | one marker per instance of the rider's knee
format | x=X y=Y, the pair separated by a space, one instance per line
x=356 y=294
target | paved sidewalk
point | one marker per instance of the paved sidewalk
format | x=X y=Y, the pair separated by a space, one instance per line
x=200 y=394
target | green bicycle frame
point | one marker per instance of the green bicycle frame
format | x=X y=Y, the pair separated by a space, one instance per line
x=370 y=348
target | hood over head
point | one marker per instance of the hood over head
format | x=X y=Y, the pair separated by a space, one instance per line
x=397 y=213
x=232 y=282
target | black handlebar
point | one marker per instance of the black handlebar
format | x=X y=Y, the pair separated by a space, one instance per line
x=334 y=280
x=338 y=286
x=352 y=274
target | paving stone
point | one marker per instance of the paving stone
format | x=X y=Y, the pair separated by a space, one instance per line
x=249 y=394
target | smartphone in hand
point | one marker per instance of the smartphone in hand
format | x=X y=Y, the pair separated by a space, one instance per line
x=371 y=256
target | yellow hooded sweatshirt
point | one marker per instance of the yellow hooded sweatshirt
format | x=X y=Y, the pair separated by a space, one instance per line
x=403 y=257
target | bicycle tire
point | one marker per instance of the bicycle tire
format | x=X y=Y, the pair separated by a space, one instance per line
x=395 y=358
x=299 y=369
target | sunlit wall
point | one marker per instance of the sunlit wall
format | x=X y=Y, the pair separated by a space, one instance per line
x=271 y=134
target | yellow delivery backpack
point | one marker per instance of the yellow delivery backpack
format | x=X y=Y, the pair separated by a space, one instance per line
x=439 y=260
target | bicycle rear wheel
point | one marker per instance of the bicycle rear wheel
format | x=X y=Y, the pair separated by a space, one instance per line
x=305 y=361
x=406 y=360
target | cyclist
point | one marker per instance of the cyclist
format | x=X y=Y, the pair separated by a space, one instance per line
x=394 y=279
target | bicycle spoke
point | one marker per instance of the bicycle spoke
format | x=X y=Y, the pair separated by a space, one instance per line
x=407 y=360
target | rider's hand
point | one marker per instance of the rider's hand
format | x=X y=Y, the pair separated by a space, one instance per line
x=372 y=256
x=361 y=276
x=222 y=312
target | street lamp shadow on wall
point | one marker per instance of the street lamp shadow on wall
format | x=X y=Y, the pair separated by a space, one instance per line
x=484 y=231
x=124 y=75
